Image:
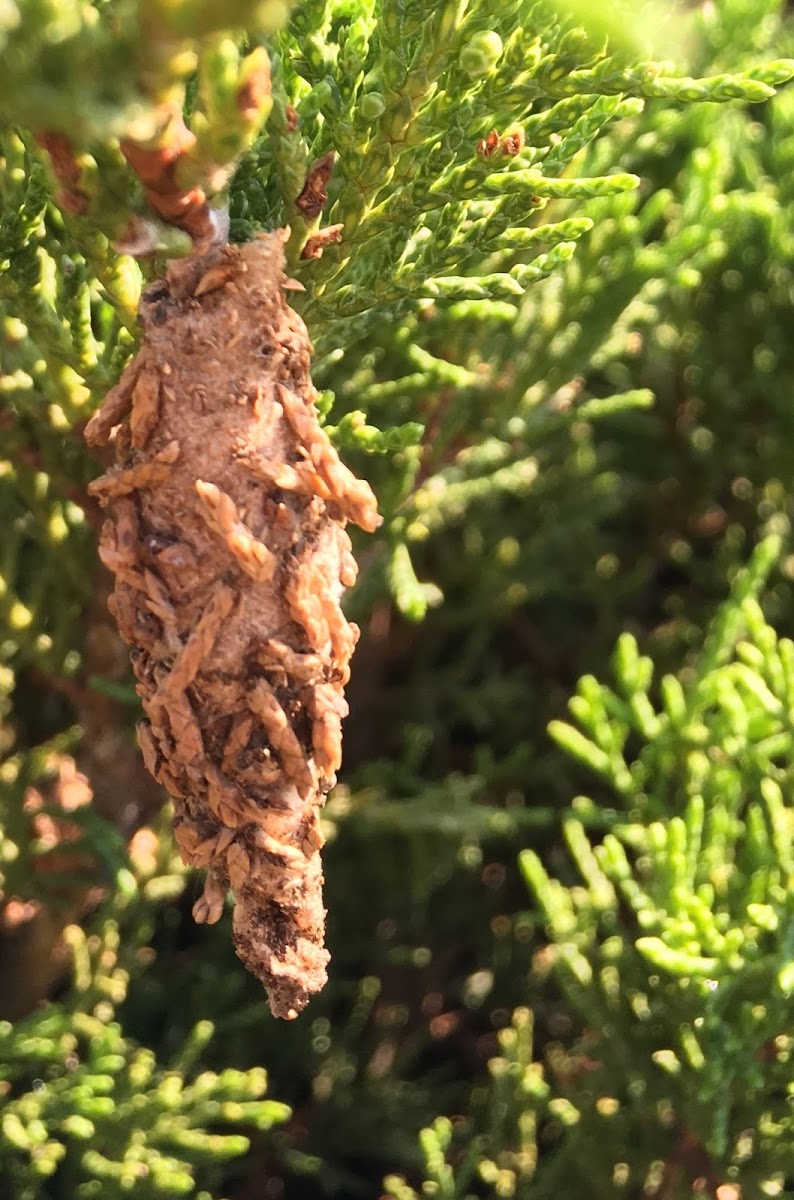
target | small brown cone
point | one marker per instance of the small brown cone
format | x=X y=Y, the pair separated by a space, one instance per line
x=228 y=545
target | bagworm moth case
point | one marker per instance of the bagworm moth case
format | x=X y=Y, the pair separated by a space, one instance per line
x=227 y=539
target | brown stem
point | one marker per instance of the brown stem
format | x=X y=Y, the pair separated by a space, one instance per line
x=689 y=1161
x=33 y=958
x=157 y=168
x=67 y=171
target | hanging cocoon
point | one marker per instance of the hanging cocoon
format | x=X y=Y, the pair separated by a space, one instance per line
x=227 y=539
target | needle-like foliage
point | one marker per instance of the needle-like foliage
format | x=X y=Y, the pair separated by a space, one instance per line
x=548 y=280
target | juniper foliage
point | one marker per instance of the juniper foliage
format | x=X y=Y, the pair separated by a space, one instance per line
x=88 y=1113
x=562 y=357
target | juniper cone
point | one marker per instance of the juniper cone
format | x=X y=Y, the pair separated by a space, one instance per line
x=228 y=545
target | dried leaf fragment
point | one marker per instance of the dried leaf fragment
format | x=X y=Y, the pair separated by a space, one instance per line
x=314 y=196
x=317 y=243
